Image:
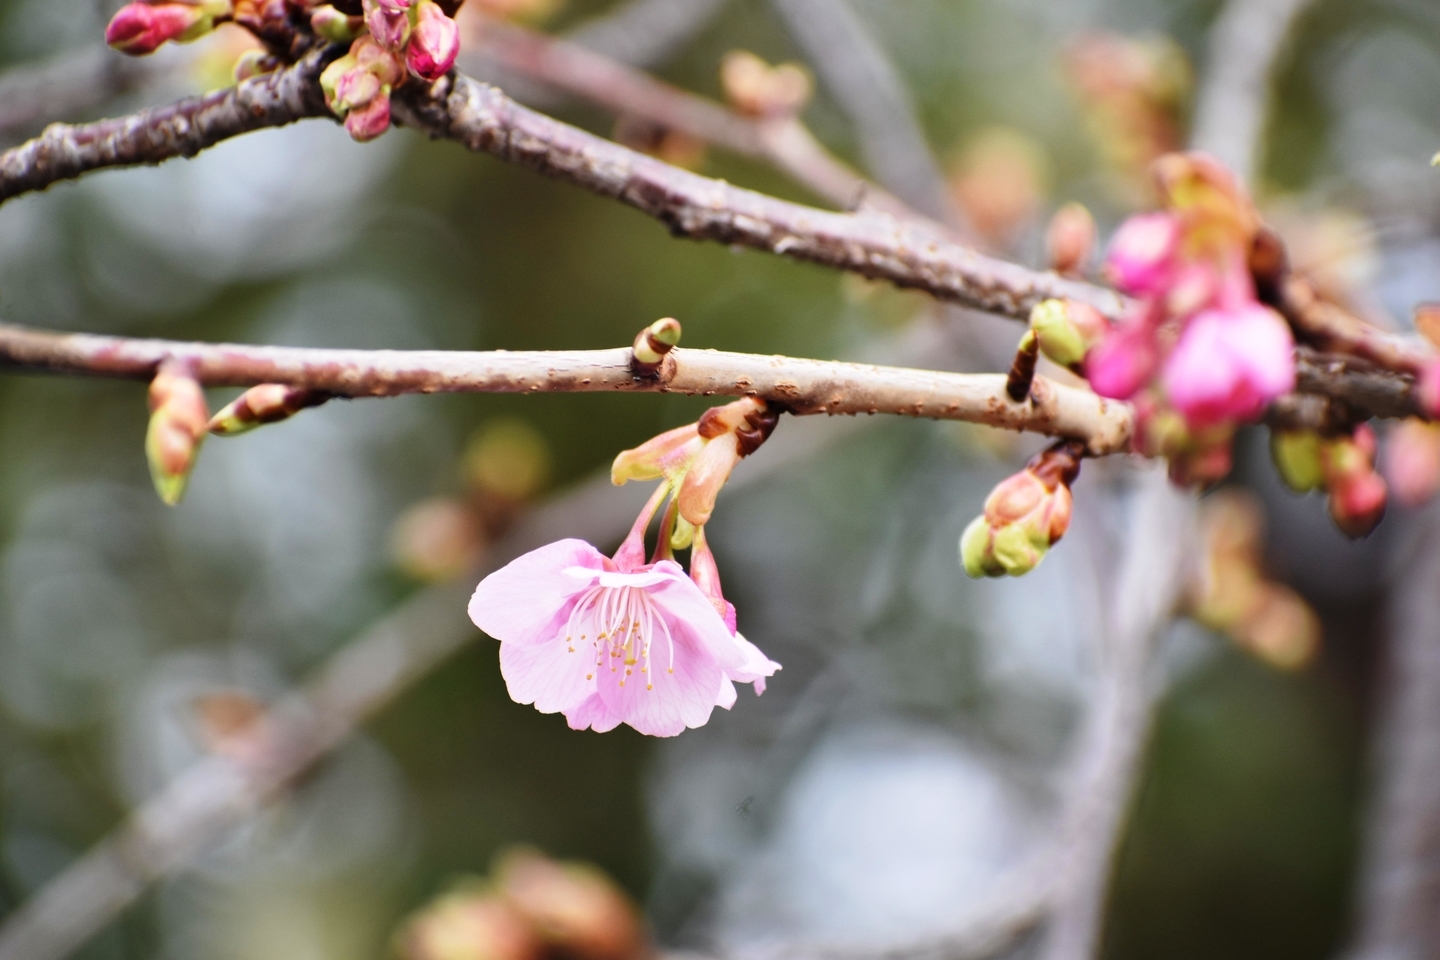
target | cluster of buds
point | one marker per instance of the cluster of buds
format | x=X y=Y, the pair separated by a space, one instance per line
x=1025 y=515
x=1134 y=92
x=1343 y=466
x=758 y=89
x=399 y=38
x=178 y=418
x=1197 y=342
x=1233 y=595
x=530 y=908
x=390 y=40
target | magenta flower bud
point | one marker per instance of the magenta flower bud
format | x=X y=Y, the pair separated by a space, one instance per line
x=1229 y=364
x=434 y=44
x=1142 y=253
x=1428 y=390
x=140 y=28
x=1122 y=363
x=369 y=121
x=389 y=22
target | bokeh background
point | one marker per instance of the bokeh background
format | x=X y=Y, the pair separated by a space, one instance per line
x=907 y=754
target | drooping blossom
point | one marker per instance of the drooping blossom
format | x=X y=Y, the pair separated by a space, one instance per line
x=1229 y=364
x=611 y=640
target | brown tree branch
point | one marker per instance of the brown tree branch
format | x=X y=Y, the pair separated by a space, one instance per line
x=152 y=136
x=484 y=119
x=869 y=243
x=800 y=386
x=782 y=141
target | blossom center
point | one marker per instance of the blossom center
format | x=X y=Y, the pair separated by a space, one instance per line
x=618 y=627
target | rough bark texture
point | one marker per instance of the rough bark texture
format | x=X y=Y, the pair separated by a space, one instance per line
x=800 y=386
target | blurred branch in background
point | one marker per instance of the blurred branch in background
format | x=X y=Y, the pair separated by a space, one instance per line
x=65 y=86
x=1401 y=875
x=1246 y=43
x=644 y=33
x=1160 y=543
x=859 y=74
x=1111 y=745
x=782 y=139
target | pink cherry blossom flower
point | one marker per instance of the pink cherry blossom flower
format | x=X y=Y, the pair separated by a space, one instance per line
x=610 y=641
x=1142 y=255
x=1229 y=364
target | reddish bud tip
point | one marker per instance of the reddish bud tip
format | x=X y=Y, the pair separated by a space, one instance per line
x=140 y=28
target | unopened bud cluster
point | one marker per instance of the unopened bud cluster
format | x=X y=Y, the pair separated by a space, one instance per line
x=390 y=41
x=1344 y=467
x=530 y=908
x=1233 y=595
x=1025 y=515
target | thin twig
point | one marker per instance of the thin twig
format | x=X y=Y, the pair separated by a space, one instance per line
x=1245 y=45
x=1118 y=726
x=782 y=141
x=800 y=386
x=63 y=86
x=856 y=70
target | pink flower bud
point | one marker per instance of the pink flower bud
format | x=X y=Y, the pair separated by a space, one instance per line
x=1412 y=461
x=389 y=22
x=1357 y=493
x=1070 y=239
x=1121 y=364
x=1428 y=390
x=178 y=417
x=369 y=121
x=1229 y=364
x=1142 y=253
x=1025 y=515
x=434 y=45
x=707 y=474
x=140 y=28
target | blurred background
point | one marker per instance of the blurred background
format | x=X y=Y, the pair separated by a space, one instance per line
x=909 y=753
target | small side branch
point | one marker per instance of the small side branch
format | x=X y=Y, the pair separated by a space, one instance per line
x=799 y=386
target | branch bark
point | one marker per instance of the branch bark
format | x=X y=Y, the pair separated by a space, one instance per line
x=800 y=386
x=181 y=129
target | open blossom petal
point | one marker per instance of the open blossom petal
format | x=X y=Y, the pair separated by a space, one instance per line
x=1229 y=364
x=642 y=646
x=728 y=694
x=529 y=599
x=592 y=714
x=664 y=696
x=556 y=677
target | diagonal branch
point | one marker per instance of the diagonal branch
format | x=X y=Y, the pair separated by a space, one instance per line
x=800 y=386
x=484 y=119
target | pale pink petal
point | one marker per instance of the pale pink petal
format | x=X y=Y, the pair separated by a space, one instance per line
x=528 y=599
x=754 y=666
x=681 y=600
x=664 y=700
x=728 y=694
x=592 y=714
x=1229 y=364
x=554 y=676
